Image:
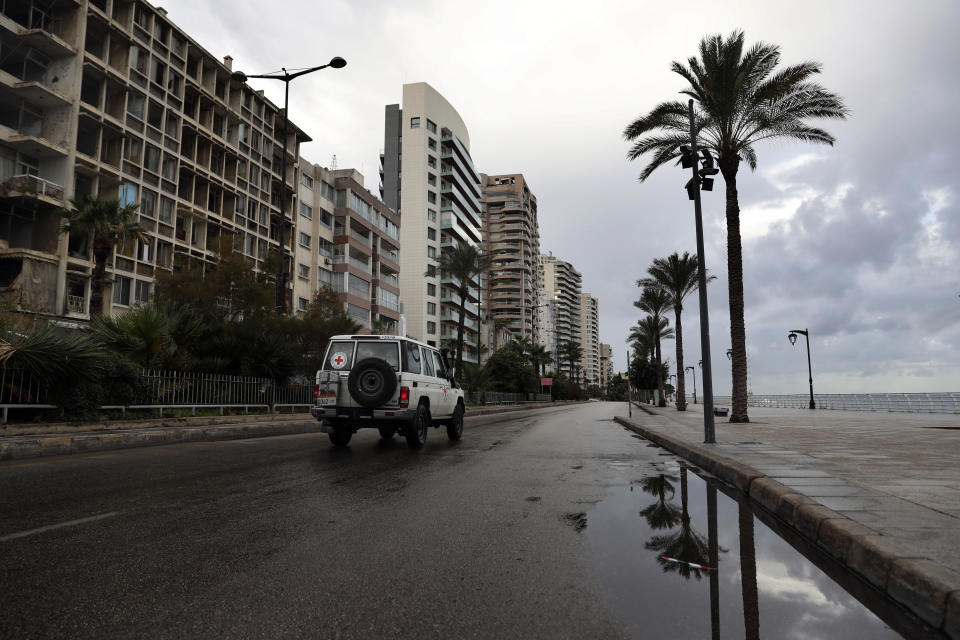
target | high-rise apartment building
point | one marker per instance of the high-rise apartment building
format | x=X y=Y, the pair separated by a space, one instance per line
x=590 y=338
x=110 y=98
x=511 y=236
x=560 y=283
x=347 y=239
x=606 y=364
x=428 y=177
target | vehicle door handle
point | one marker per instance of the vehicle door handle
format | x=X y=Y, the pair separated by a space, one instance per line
x=414 y=384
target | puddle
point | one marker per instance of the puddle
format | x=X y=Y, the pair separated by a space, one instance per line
x=679 y=558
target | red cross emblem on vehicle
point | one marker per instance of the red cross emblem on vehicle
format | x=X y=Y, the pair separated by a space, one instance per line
x=338 y=360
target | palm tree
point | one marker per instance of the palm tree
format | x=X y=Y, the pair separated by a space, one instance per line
x=655 y=301
x=540 y=357
x=464 y=264
x=677 y=276
x=740 y=101
x=153 y=337
x=685 y=544
x=661 y=514
x=569 y=352
x=109 y=223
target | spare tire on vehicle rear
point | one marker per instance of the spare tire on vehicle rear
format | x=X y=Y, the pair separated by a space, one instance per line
x=372 y=382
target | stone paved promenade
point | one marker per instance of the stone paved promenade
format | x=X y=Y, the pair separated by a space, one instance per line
x=897 y=474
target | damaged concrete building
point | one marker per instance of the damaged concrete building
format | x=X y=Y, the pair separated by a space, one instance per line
x=110 y=98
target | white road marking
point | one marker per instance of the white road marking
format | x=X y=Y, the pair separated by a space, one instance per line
x=69 y=523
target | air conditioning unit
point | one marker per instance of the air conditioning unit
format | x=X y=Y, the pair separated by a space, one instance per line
x=327 y=261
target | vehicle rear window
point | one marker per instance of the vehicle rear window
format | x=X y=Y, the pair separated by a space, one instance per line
x=339 y=356
x=411 y=357
x=384 y=350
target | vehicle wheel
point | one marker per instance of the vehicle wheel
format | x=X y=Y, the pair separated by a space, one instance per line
x=417 y=430
x=455 y=426
x=341 y=436
x=372 y=382
x=387 y=432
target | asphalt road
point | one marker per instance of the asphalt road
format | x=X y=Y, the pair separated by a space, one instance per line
x=288 y=536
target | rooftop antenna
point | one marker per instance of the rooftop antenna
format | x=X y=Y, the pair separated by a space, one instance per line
x=333 y=163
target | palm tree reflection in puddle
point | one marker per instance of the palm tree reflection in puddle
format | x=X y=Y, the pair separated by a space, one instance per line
x=661 y=514
x=684 y=544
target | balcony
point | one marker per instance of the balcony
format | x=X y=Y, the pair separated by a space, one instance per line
x=39 y=31
x=452 y=221
x=29 y=185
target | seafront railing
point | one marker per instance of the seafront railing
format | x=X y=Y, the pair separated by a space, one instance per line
x=943 y=402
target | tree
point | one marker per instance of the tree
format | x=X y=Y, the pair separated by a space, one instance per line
x=107 y=223
x=540 y=357
x=676 y=276
x=463 y=263
x=152 y=337
x=646 y=334
x=740 y=101
x=569 y=352
x=655 y=301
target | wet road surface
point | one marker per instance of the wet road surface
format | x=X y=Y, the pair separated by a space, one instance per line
x=549 y=524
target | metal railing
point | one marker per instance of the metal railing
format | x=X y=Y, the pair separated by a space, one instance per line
x=31 y=184
x=499 y=397
x=164 y=390
x=944 y=402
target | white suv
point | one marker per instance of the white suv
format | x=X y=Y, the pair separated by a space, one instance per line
x=390 y=383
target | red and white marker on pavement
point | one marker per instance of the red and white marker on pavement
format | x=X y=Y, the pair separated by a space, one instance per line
x=689 y=564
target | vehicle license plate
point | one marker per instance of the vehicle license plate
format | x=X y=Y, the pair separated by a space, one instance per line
x=326 y=401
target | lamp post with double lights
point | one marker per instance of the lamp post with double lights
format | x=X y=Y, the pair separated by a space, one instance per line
x=793 y=340
x=694 y=371
x=689 y=159
x=286 y=77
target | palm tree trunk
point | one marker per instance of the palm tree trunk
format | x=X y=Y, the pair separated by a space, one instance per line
x=738 y=340
x=681 y=397
x=662 y=401
x=101 y=252
x=463 y=310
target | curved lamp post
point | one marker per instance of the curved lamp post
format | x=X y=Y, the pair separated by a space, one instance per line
x=793 y=340
x=729 y=354
x=286 y=77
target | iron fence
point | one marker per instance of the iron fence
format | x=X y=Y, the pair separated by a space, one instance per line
x=945 y=402
x=499 y=397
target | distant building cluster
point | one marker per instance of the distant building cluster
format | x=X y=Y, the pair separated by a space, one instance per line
x=110 y=98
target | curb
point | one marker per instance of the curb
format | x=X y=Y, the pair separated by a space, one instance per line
x=929 y=591
x=171 y=431
x=65 y=428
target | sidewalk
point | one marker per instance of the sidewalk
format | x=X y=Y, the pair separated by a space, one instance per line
x=878 y=491
x=32 y=441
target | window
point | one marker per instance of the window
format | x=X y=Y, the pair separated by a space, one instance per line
x=141 y=293
x=431 y=126
x=303 y=271
x=328 y=192
x=431 y=233
x=431 y=215
x=302 y=304
x=135 y=103
x=432 y=144
x=431 y=271
x=169 y=167
x=428 y=363
x=432 y=290
x=306 y=181
x=166 y=210
x=121 y=290
x=326 y=219
x=431 y=197
x=128 y=194
x=358 y=286
x=157 y=71
x=431 y=308
x=132 y=149
x=415 y=123
x=411 y=357
x=151 y=160
x=304 y=240
x=431 y=179
x=148 y=204
x=138 y=59
x=306 y=210
x=431 y=162
x=432 y=252
x=441 y=370
x=431 y=327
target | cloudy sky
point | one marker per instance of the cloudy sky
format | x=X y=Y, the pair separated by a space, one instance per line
x=860 y=242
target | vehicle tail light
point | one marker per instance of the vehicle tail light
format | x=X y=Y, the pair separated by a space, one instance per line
x=404 y=397
x=316 y=391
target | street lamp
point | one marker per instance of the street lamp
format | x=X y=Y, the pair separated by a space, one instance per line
x=729 y=354
x=793 y=340
x=673 y=383
x=694 y=370
x=689 y=158
x=286 y=77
